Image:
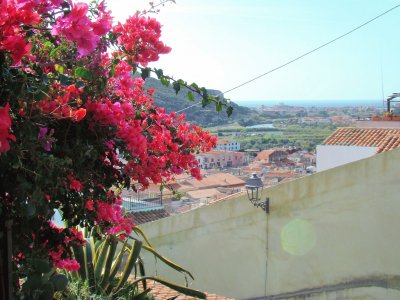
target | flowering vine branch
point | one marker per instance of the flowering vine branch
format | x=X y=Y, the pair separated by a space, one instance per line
x=76 y=127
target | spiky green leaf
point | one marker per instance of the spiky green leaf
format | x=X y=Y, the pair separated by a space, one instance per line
x=167 y=261
x=130 y=263
x=107 y=268
x=101 y=259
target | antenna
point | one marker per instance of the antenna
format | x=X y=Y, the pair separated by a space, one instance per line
x=382 y=88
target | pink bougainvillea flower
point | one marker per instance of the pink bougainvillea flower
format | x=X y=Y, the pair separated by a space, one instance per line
x=140 y=36
x=78 y=114
x=45 y=138
x=90 y=205
x=67 y=264
x=104 y=23
x=77 y=27
x=17 y=46
x=74 y=184
x=5 y=126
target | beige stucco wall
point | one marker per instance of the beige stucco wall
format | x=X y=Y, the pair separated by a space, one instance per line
x=335 y=227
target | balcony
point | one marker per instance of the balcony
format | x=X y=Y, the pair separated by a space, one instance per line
x=142 y=202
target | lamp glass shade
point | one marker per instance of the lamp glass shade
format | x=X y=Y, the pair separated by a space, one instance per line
x=254 y=187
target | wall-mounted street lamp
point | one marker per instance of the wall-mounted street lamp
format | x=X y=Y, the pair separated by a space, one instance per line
x=254 y=187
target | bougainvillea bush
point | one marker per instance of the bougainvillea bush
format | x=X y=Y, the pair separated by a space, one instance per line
x=76 y=127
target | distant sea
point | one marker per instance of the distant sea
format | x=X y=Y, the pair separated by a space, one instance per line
x=311 y=103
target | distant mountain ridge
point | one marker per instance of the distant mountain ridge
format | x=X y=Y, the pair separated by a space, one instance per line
x=206 y=117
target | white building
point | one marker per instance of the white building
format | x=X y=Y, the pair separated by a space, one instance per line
x=346 y=145
x=227 y=145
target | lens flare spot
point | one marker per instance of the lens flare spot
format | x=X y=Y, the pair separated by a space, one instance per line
x=298 y=237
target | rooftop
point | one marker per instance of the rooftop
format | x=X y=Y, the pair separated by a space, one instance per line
x=212 y=193
x=264 y=154
x=141 y=217
x=161 y=292
x=384 y=138
x=210 y=181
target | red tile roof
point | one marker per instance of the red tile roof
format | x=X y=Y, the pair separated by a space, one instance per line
x=232 y=196
x=161 y=292
x=265 y=154
x=141 y=217
x=281 y=173
x=212 y=193
x=210 y=181
x=391 y=142
x=384 y=138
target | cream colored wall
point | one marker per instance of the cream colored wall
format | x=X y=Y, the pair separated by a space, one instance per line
x=368 y=293
x=336 y=226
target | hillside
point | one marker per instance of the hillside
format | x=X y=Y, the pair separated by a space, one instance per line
x=206 y=117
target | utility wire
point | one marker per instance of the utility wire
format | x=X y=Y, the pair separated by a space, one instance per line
x=303 y=55
x=313 y=50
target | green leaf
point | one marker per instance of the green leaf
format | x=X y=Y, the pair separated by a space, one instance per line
x=83 y=73
x=59 y=281
x=206 y=100
x=101 y=83
x=145 y=73
x=88 y=254
x=142 y=272
x=80 y=84
x=229 y=111
x=139 y=232
x=54 y=53
x=195 y=86
x=101 y=259
x=29 y=210
x=190 y=96
x=80 y=258
x=143 y=295
x=48 y=291
x=107 y=268
x=64 y=80
x=130 y=263
x=34 y=281
x=164 y=81
x=45 y=79
x=48 y=44
x=167 y=261
x=113 y=65
x=96 y=246
x=59 y=68
x=159 y=73
x=176 y=86
x=218 y=106
x=118 y=261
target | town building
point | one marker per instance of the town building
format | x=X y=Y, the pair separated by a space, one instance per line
x=223 y=145
x=272 y=156
x=350 y=144
x=221 y=159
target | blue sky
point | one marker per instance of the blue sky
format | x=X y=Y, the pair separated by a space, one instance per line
x=222 y=43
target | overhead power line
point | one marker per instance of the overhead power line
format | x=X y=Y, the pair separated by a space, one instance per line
x=304 y=54
x=313 y=50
